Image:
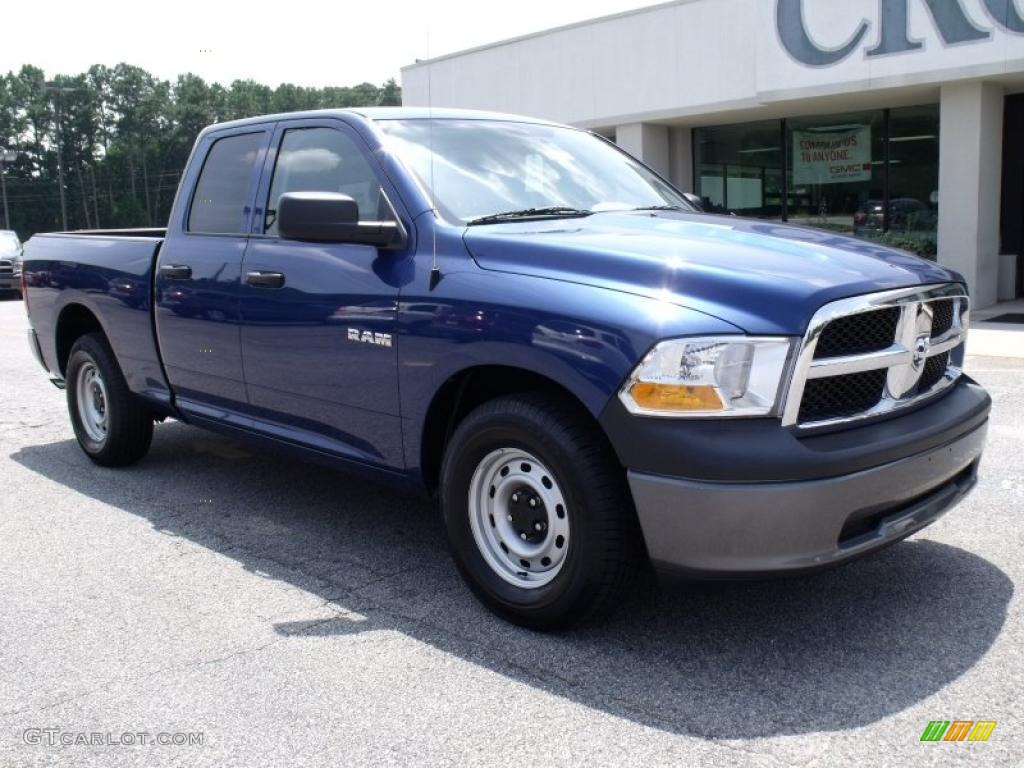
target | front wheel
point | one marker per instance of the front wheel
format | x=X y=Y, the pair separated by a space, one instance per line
x=537 y=511
x=112 y=426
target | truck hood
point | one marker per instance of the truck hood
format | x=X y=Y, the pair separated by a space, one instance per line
x=763 y=276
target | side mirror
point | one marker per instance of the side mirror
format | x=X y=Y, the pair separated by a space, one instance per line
x=694 y=200
x=331 y=217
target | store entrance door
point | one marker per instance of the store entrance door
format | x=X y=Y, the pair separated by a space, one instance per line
x=1012 y=219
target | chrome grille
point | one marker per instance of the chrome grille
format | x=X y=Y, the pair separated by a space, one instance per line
x=6 y=267
x=873 y=354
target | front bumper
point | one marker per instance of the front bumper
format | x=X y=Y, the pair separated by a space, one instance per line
x=10 y=282
x=708 y=524
x=733 y=529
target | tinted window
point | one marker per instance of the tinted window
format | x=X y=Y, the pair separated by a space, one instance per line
x=325 y=160
x=218 y=205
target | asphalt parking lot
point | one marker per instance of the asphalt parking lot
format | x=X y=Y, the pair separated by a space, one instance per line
x=297 y=617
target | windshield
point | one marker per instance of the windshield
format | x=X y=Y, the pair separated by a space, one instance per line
x=487 y=167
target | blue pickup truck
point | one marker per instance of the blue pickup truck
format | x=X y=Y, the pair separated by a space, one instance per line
x=521 y=319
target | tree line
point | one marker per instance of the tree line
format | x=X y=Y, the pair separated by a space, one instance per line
x=115 y=139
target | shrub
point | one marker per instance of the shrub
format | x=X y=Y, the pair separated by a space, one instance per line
x=919 y=246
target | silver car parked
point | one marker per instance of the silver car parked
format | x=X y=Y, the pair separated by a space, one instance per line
x=10 y=261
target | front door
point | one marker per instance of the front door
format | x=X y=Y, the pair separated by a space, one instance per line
x=1020 y=243
x=1012 y=214
x=318 y=319
x=198 y=275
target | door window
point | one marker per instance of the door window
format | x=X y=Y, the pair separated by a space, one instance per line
x=222 y=192
x=325 y=160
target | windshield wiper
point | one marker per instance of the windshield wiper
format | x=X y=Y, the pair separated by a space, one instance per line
x=554 y=211
x=662 y=208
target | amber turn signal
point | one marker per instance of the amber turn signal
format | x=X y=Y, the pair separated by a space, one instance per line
x=675 y=397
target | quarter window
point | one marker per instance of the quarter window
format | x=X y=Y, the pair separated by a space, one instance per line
x=222 y=193
x=325 y=160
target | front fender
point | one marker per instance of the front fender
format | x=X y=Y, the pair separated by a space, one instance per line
x=584 y=338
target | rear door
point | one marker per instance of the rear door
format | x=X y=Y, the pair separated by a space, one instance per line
x=318 y=319
x=198 y=276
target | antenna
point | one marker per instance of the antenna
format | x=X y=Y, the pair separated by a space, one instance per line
x=435 y=270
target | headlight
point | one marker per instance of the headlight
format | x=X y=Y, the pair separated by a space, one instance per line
x=711 y=376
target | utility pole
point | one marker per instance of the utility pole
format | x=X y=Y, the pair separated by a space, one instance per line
x=6 y=156
x=52 y=86
x=95 y=198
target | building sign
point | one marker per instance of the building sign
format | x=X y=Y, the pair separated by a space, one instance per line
x=833 y=157
x=952 y=23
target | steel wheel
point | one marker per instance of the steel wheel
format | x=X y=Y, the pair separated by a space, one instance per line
x=91 y=392
x=567 y=556
x=112 y=426
x=519 y=517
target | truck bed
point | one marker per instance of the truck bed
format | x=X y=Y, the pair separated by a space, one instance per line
x=110 y=272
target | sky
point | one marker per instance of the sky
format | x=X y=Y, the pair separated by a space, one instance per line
x=305 y=42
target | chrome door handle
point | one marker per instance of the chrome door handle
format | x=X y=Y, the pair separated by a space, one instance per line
x=259 y=279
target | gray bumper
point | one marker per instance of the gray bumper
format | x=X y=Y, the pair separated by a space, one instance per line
x=10 y=283
x=751 y=529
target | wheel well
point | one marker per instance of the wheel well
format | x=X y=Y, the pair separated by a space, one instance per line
x=465 y=391
x=74 y=322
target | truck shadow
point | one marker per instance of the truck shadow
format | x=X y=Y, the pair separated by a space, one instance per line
x=738 y=660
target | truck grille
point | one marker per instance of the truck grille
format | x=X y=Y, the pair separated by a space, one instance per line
x=942 y=317
x=858 y=334
x=873 y=354
x=841 y=396
x=6 y=267
x=934 y=369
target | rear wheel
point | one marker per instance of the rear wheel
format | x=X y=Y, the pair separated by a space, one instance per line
x=111 y=425
x=537 y=511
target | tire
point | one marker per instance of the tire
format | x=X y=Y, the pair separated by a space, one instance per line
x=510 y=452
x=112 y=426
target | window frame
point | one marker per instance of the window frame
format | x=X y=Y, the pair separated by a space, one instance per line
x=262 y=198
x=204 y=149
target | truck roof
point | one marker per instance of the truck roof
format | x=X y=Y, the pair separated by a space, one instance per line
x=387 y=113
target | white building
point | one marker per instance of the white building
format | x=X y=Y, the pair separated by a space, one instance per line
x=901 y=119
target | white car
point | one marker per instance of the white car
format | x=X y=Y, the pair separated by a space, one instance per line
x=10 y=261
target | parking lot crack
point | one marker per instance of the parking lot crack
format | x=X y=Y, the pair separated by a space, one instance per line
x=135 y=679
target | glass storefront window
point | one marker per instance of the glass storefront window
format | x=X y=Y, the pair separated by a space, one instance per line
x=837 y=172
x=739 y=169
x=914 y=175
x=870 y=174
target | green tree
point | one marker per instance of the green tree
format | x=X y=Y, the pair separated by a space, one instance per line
x=246 y=98
x=390 y=94
x=124 y=137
